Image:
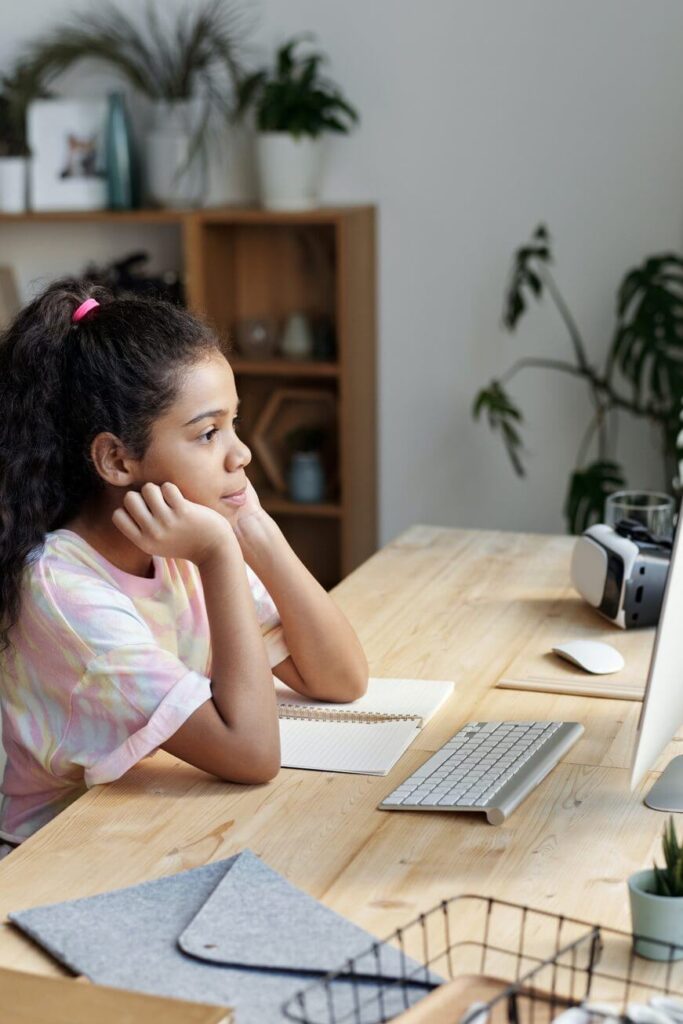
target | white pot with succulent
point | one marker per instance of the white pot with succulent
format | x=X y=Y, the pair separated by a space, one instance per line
x=188 y=68
x=295 y=107
x=656 y=896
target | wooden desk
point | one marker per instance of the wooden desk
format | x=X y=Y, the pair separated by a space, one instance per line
x=435 y=603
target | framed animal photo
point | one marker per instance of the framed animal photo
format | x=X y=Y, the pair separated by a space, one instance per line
x=67 y=166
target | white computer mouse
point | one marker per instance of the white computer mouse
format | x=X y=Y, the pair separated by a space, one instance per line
x=591 y=655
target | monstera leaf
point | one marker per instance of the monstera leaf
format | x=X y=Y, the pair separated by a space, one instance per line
x=588 y=489
x=648 y=343
x=524 y=277
x=502 y=416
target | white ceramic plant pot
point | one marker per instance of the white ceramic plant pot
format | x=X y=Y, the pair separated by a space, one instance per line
x=297 y=338
x=289 y=170
x=13 y=177
x=173 y=178
x=657 y=917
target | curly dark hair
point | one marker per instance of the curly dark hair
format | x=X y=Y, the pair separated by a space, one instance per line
x=61 y=384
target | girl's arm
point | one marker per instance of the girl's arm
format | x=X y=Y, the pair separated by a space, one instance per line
x=235 y=735
x=327 y=661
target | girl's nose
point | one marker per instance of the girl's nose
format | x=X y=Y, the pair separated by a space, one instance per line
x=238 y=456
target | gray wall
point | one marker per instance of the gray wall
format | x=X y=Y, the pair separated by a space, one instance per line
x=480 y=118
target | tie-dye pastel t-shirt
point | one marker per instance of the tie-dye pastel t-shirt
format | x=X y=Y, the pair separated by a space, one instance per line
x=102 y=669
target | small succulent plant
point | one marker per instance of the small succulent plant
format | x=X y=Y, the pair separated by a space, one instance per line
x=669 y=880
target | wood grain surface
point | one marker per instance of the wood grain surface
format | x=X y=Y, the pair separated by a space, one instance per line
x=435 y=603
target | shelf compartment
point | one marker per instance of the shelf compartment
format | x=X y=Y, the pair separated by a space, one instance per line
x=267 y=270
x=317 y=542
x=286 y=410
x=276 y=504
x=282 y=367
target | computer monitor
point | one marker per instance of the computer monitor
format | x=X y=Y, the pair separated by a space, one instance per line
x=661 y=714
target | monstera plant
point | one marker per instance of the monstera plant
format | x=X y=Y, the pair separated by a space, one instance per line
x=642 y=373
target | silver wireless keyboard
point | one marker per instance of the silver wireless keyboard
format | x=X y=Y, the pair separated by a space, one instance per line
x=487 y=766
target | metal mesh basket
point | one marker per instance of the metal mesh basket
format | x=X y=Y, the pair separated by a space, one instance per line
x=541 y=962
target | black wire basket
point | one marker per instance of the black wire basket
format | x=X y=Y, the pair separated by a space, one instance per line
x=516 y=964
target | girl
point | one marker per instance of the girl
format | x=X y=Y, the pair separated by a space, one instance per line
x=145 y=595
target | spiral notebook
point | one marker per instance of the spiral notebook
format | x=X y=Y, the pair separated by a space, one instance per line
x=366 y=737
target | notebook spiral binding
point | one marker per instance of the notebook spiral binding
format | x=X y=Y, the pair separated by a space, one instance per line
x=309 y=714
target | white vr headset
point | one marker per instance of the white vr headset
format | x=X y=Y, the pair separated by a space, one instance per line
x=622 y=572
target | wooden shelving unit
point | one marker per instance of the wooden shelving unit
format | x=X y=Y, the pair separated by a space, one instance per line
x=283 y=368
x=242 y=262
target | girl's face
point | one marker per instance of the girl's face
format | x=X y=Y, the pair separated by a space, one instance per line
x=194 y=443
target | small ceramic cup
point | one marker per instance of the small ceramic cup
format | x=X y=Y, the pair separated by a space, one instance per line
x=256 y=337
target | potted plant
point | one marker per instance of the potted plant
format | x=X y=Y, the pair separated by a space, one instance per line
x=641 y=374
x=294 y=106
x=656 y=896
x=17 y=89
x=188 y=69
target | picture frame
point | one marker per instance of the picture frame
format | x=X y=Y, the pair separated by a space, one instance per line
x=67 y=166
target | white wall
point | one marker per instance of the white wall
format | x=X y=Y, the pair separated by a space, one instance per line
x=479 y=119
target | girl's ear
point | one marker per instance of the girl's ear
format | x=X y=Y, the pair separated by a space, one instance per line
x=112 y=461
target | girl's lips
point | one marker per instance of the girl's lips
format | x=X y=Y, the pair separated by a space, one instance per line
x=236 y=498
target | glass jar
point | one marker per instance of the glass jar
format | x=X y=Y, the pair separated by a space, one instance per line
x=306 y=478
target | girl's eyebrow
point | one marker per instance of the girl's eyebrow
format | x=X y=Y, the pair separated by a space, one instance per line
x=205 y=415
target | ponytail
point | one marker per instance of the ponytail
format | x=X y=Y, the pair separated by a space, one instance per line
x=61 y=383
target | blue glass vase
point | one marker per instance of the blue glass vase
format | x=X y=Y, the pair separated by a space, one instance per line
x=306 y=478
x=122 y=191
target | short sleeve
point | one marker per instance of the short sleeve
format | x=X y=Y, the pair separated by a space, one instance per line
x=269 y=620
x=129 y=701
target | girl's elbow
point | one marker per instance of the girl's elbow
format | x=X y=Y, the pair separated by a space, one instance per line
x=258 y=764
x=358 y=683
x=268 y=770
x=264 y=766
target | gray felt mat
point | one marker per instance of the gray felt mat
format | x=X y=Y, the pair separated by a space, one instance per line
x=254 y=941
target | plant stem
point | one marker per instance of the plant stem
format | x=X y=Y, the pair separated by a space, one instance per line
x=541 y=364
x=581 y=358
x=586 y=439
x=563 y=310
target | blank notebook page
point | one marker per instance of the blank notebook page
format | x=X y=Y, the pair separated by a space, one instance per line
x=366 y=748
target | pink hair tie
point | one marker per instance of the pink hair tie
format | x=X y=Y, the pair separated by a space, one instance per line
x=84 y=308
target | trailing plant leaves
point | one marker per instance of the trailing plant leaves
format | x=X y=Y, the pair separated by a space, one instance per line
x=648 y=341
x=524 y=277
x=588 y=489
x=503 y=416
x=164 y=61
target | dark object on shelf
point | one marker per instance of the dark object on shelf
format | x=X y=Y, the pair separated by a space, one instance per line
x=324 y=339
x=122 y=176
x=126 y=276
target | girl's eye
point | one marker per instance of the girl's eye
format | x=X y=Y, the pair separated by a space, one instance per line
x=237 y=423
x=209 y=435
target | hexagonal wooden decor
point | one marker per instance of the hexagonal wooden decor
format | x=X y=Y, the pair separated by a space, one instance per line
x=289 y=409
